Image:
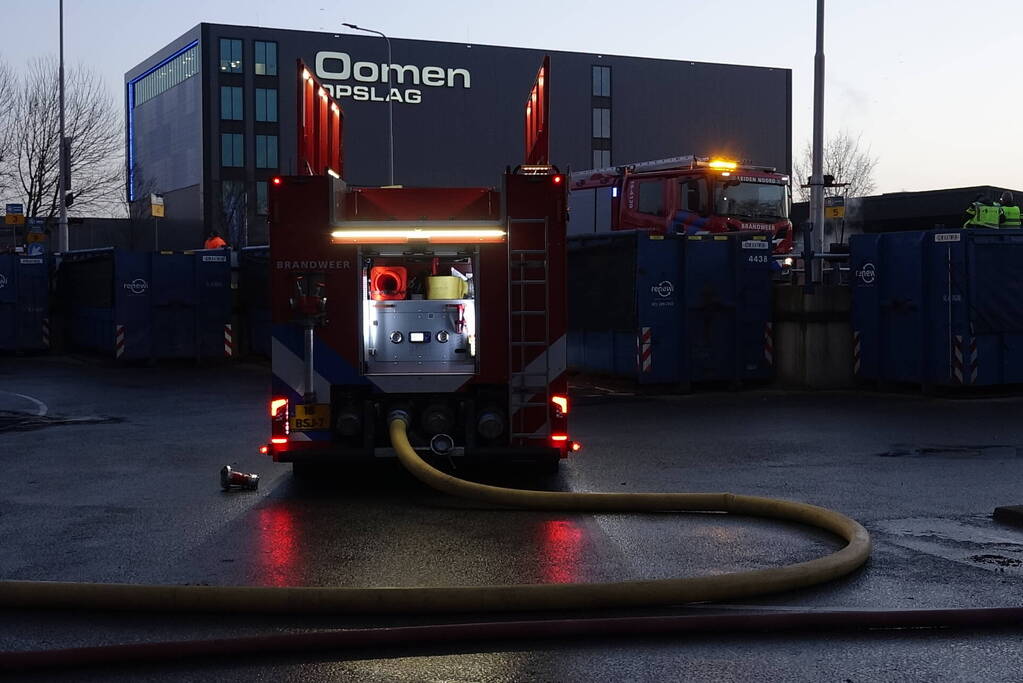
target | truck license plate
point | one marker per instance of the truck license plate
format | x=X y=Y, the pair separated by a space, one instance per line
x=309 y=417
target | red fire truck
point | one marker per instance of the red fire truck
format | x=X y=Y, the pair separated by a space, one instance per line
x=447 y=304
x=685 y=195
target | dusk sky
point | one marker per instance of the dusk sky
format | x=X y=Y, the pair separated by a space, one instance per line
x=915 y=79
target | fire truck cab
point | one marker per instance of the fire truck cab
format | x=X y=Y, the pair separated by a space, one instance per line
x=685 y=195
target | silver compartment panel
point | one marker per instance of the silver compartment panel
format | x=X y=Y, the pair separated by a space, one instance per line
x=386 y=357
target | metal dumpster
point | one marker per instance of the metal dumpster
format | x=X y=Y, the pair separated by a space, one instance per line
x=254 y=299
x=729 y=290
x=938 y=308
x=149 y=305
x=670 y=309
x=24 y=302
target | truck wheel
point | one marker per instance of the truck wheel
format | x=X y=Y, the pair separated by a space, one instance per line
x=548 y=466
x=306 y=471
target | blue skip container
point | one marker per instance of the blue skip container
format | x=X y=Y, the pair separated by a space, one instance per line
x=939 y=307
x=24 y=302
x=671 y=309
x=149 y=305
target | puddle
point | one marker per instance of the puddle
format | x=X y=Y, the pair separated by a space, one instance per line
x=910 y=451
x=976 y=542
x=999 y=560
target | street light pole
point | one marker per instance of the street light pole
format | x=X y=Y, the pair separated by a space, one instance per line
x=62 y=236
x=390 y=102
x=817 y=173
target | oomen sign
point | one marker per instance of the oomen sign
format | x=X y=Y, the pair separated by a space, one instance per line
x=338 y=66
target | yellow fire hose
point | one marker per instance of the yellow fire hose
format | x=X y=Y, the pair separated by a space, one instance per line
x=522 y=597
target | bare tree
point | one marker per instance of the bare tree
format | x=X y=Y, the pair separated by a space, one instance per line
x=233 y=212
x=845 y=160
x=92 y=123
x=8 y=85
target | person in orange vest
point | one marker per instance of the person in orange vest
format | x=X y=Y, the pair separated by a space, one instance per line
x=214 y=241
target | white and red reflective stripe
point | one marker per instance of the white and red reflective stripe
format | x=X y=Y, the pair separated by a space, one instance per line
x=769 y=342
x=964 y=360
x=46 y=332
x=228 y=340
x=857 y=352
x=645 y=349
x=118 y=341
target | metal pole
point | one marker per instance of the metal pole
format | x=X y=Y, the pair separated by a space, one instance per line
x=309 y=394
x=390 y=114
x=62 y=236
x=817 y=174
x=390 y=102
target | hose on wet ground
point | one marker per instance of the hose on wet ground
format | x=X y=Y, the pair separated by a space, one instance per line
x=473 y=599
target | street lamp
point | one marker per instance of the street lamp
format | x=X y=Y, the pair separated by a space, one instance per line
x=63 y=243
x=390 y=102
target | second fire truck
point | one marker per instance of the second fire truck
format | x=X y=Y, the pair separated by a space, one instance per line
x=685 y=195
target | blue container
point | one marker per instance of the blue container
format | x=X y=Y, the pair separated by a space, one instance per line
x=670 y=309
x=729 y=308
x=941 y=307
x=254 y=298
x=141 y=305
x=24 y=302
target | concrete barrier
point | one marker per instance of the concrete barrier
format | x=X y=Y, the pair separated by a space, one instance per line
x=813 y=337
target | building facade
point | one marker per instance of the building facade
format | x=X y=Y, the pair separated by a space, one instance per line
x=211 y=117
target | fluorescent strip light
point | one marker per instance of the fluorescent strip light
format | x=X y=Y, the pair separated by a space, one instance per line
x=390 y=234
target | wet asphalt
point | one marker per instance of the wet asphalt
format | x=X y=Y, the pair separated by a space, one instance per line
x=138 y=500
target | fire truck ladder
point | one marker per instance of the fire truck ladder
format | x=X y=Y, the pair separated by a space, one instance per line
x=527 y=382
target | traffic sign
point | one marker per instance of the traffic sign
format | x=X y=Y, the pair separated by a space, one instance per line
x=156 y=205
x=15 y=214
x=834 y=207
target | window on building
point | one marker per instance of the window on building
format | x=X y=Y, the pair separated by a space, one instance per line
x=266 y=151
x=231 y=55
x=266 y=58
x=601 y=123
x=266 y=104
x=233 y=202
x=166 y=76
x=232 y=149
x=601 y=158
x=231 y=103
x=262 y=200
x=651 y=197
x=602 y=81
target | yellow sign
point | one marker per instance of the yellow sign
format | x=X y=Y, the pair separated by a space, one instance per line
x=14 y=219
x=156 y=205
x=834 y=212
x=35 y=237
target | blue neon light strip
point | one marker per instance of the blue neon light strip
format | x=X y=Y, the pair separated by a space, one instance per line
x=131 y=112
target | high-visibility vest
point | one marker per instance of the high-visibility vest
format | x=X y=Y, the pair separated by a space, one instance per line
x=1010 y=216
x=983 y=215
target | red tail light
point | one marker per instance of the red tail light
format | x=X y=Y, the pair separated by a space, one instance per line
x=557 y=179
x=279 y=439
x=576 y=446
x=559 y=438
x=264 y=449
x=277 y=181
